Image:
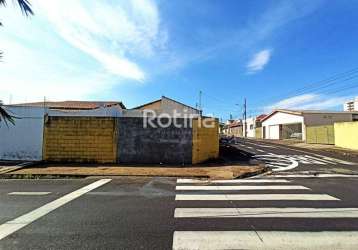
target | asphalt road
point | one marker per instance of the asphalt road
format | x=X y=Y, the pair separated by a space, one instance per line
x=159 y=213
x=283 y=159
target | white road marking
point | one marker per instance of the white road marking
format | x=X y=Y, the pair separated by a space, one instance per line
x=262 y=145
x=268 y=240
x=257 y=197
x=266 y=212
x=321 y=156
x=12 y=226
x=336 y=160
x=218 y=188
x=188 y=181
x=315 y=176
x=29 y=193
x=330 y=159
x=278 y=162
x=320 y=160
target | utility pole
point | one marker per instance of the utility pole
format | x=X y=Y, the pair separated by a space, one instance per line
x=200 y=107
x=245 y=123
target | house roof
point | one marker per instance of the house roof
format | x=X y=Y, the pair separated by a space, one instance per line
x=260 y=117
x=164 y=97
x=146 y=104
x=301 y=112
x=235 y=124
x=74 y=105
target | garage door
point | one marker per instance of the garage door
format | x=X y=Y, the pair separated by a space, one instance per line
x=274 y=132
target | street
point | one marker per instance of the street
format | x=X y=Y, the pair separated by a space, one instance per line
x=169 y=213
x=285 y=160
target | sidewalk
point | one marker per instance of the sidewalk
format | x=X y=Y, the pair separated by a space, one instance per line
x=85 y=170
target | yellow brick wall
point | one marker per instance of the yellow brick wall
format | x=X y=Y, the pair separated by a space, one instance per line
x=346 y=135
x=80 y=139
x=205 y=140
x=320 y=134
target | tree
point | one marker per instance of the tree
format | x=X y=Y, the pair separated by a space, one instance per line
x=25 y=7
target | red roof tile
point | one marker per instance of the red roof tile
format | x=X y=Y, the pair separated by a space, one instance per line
x=74 y=105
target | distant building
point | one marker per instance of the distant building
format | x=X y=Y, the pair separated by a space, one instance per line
x=76 y=108
x=351 y=105
x=235 y=128
x=73 y=105
x=252 y=124
x=295 y=124
x=166 y=106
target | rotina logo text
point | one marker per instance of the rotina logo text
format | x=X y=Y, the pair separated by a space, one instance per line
x=175 y=119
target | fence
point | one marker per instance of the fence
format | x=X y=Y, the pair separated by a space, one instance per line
x=80 y=139
x=205 y=141
x=320 y=134
x=22 y=141
x=258 y=133
x=126 y=140
x=346 y=135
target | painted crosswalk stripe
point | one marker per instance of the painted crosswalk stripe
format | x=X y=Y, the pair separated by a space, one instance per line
x=266 y=212
x=268 y=240
x=189 y=181
x=14 y=225
x=29 y=193
x=247 y=197
x=218 y=188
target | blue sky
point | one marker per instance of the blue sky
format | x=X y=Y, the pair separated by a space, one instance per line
x=137 y=50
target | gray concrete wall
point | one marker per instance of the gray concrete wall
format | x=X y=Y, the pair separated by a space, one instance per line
x=169 y=107
x=137 y=144
x=318 y=119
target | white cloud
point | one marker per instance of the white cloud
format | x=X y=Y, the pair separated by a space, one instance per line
x=109 y=33
x=309 y=102
x=77 y=49
x=259 y=61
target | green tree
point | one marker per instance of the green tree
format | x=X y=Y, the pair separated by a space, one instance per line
x=25 y=7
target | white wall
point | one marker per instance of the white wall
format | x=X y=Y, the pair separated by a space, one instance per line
x=280 y=118
x=249 y=122
x=273 y=132
x=22 y=141
x=100 y=112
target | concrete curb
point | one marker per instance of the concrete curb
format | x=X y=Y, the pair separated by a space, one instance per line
x=10 y=169
x=216 y=174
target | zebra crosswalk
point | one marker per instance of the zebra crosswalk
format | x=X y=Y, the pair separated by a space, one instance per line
x=259 y=194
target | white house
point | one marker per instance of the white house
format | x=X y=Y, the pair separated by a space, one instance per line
x=251 y=124
x=291 y=124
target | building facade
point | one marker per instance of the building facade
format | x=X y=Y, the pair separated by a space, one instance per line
x=351 y=105
x=311 y=126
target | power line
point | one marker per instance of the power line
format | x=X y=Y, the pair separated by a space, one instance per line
x=317 y=85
